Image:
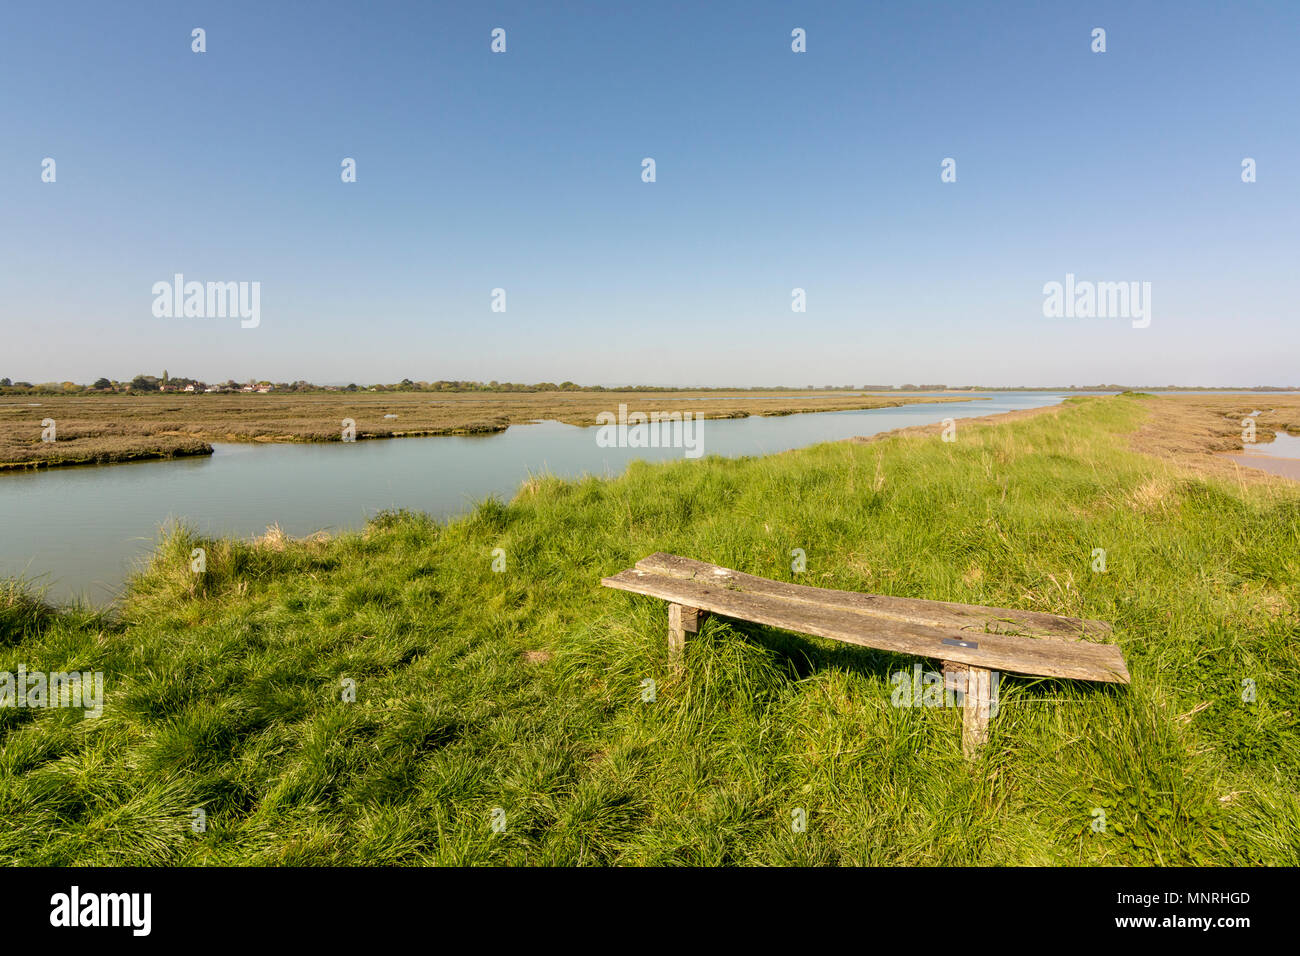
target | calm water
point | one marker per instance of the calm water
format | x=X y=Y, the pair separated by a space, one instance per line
x=1281 y=456
x=82 y=530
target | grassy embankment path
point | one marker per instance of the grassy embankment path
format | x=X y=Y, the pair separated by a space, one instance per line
x=522 y=690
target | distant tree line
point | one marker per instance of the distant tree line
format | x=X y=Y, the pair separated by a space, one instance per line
x=144 y=384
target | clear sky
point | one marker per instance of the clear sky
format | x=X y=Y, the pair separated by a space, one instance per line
x=775 y=170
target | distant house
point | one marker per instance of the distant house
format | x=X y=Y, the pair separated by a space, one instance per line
x=263 y=389
x=189 y=388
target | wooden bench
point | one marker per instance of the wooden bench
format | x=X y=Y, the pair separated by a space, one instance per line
x=971 y=641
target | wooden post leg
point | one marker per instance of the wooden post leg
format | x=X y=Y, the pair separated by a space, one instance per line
x=976 y=686
x=975 y=717
x=682 y=620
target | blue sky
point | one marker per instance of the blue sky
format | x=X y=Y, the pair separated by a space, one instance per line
x=775 y=170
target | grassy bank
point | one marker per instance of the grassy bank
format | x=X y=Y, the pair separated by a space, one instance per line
x=523 y=690
x=104 y=429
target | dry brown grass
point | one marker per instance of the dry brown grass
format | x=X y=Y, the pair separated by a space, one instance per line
x=1150 y=496
x=275 y=539
x=109 y=428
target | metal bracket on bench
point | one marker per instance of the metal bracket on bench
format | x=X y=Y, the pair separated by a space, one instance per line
x=953 y=642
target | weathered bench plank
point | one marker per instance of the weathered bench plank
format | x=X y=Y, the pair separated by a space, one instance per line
x=1064 y=657
x=930 y=613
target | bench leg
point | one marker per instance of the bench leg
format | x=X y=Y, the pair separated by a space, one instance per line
x=682 y=620
x=976 y=685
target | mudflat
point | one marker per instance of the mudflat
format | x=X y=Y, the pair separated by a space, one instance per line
x=1208 y=434
x=110 y=428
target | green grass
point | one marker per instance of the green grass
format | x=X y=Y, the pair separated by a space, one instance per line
x=223 y=690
